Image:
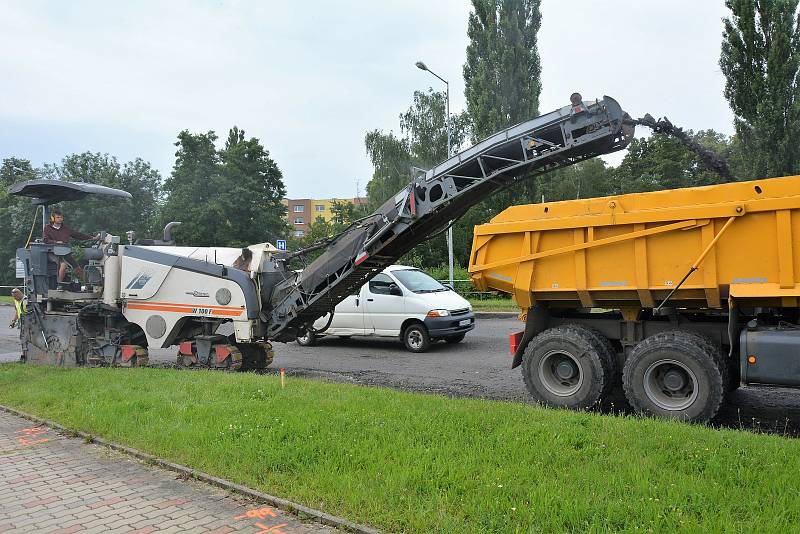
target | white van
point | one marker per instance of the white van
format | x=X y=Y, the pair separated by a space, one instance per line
x=399 y=302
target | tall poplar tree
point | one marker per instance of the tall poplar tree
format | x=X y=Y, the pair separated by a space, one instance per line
x=502 y=73
x=502 y=83
x=761 y=62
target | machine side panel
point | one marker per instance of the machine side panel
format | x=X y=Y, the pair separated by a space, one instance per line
x=210 y=280
x=183 y=295
x=141 y=279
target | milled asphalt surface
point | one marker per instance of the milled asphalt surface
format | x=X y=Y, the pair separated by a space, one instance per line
x=478 y=367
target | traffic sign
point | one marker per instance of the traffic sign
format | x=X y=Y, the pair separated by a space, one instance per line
x=281 y=244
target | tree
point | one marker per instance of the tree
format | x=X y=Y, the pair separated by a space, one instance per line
x=114 y=215
x=343 y=213
x=318 y=229
x=760 y=59
x=502 y=86
x=191 y=189
x=17 y=215
x=251 y=192
x=391 y=159
x=587 y=179
x=425 y=126
x=502 y=73
x=230 y=197
x=423 y=144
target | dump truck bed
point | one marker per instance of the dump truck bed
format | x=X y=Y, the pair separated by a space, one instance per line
x=631 y=251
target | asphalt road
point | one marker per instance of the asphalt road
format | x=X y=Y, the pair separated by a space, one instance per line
x=477 y=367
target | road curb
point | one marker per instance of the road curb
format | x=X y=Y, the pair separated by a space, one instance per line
x=496 y=315
x=278 y=502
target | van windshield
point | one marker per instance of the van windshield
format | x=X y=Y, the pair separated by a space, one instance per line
x=418 y=282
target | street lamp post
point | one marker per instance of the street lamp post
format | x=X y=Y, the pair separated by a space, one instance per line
x=422 y=66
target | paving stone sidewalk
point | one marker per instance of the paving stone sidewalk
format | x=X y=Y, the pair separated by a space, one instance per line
x=50 y=483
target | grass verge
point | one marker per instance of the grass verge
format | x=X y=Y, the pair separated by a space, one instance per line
x=494 y=305
x=5 y=299
x=417 y=463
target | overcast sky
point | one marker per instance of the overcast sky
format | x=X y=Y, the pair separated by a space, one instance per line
x=309 y=79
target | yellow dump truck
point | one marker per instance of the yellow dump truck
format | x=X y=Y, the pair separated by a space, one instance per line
x=682 y=295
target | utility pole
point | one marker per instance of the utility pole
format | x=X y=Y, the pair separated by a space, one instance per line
x=422 y=66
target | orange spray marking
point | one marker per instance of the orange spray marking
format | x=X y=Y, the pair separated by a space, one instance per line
x=271 y=530
x=257 y=513
x=28 y=433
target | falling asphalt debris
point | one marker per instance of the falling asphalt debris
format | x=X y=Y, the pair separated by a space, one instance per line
x=711 y=160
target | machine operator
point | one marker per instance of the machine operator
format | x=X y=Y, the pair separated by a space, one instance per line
x=58 y=233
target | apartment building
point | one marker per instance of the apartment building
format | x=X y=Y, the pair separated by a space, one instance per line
x=301 y=212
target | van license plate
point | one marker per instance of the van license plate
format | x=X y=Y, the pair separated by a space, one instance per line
x=464 y=322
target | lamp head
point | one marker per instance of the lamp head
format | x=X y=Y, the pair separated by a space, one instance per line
x=420 y=65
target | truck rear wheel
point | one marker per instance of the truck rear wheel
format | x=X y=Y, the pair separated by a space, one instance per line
x=569 y=366
x=676 y=375
x=610 y=362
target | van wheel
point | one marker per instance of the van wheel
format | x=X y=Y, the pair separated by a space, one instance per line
x=676 y=375
x=415 y=338
x=306 y=339
x=569 y=367
x=455 y=339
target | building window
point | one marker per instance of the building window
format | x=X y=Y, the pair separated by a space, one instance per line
x=298 y=209
x=298 y=220
x=299 y=233
x=320 y=207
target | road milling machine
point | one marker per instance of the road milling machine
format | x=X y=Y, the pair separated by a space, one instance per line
x=153 y=294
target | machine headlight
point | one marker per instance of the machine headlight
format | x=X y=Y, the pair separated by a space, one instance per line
x=438 y=313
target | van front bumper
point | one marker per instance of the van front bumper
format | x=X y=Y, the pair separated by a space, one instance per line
x=451 y=325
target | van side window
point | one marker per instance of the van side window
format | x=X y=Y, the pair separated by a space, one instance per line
x=380 y=284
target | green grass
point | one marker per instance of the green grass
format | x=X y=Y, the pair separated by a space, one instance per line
x=6 y=299
x=494 y=305
x=416 y=463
